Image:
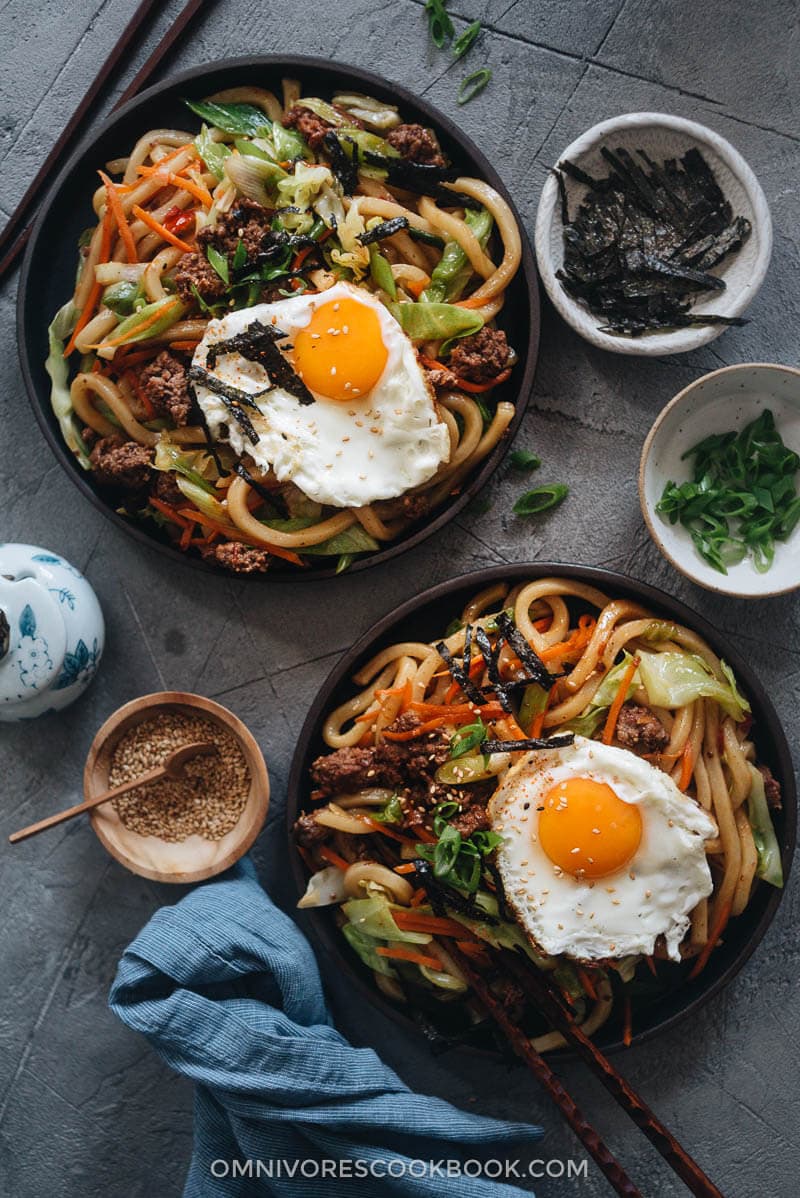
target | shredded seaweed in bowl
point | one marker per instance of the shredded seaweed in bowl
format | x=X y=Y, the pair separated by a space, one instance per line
x=640 y=249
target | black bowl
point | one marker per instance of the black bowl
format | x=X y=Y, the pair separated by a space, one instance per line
x=422 y=619
x=48 y=271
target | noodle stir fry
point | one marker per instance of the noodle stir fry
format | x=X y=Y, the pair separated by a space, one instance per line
x=186 y=377
x=563 y=776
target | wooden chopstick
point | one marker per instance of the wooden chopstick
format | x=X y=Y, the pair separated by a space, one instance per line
x=594 y=1145
x=17 y=231
x=555 y=1010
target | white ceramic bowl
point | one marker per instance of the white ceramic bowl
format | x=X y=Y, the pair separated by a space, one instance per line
x=716 y=403
x=662 y=136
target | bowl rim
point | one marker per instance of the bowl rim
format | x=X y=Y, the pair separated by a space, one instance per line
x=650 y=519
x=325 y=936
x=260 y=784
x=355 y=77
x=581 y=319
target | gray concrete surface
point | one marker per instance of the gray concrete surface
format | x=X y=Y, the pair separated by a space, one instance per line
x=85 y=1108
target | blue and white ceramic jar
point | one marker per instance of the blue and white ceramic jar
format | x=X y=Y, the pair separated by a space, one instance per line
x=51 y=632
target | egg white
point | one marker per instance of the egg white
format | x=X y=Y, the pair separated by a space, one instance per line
x=378 y=446
x=620 y=914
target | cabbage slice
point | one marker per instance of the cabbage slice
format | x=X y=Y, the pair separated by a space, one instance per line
x=676 y=679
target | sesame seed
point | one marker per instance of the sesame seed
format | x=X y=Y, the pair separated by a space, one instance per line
x=333 y=370
x=648 y=894
x=209 y=799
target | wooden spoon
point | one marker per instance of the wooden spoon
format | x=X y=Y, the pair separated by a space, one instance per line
x=172 y=767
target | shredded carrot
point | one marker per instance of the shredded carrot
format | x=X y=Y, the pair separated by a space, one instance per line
x=300 y=257
x=586 y=981
x=458 y=712
x=651 y=965
x=197 y=190
x=419 y=730
x=476 y=951
x=231 y=532
x=152 y=319
x=476 y=668
x=417 y=286
x=333 y=858
x=479 y=388
x=169 y=511
x=418 y=921
x=619 y=699
x=141 y=394
x=713 y=936
x=418 y=897
x=687 y=767
x=575 y=643
x=471 y=302
x=127 y=356
x=538 y=720
x=383 y=829
x=408 y=868
x=117 y=211
x=398 y=953
x=187 y=346
x=544 y=623
x=627 y=1027
x=186 y=537
x=422 y=833
x=97 y=288
x=163 y=232
x=169 y=157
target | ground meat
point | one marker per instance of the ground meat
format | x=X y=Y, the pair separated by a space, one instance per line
x=196 y=272
x=473 y=819
x=242 y=559
x=165 y=488
x=89 y=437
x=418 y=144
x=481 y=357
x=166 y=385
x=638 y=728
x=415 y=506
x=407 y=766
x=312 y=127
x=308 y=832
x=247 y=222
x=510 y=994
x=772 y=788
x=440 y=378
x=121 y=464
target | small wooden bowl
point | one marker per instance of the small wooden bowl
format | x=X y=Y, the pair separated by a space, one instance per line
x=195 y=858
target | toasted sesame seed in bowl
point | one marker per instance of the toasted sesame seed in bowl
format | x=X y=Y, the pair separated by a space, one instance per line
x=186 y=830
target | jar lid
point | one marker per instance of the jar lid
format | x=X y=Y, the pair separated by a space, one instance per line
x=33 y=639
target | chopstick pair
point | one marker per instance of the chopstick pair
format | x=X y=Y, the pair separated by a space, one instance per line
x=17 y=231
x=553 y=1007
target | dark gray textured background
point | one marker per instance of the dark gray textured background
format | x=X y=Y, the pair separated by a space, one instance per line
x=85 y=1107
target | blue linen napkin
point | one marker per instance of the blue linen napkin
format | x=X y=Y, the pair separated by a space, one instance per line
x=227 y=990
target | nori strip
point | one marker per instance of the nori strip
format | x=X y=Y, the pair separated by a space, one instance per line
x=537 y=670
x=345 y=166
x=428 y=238
x=198 y=412
x=500 y=890
x=198 y=374
x=441 y=897
x=421 y=178
x=491 y=657
x=458 y=674
x=230 y=398
x=258 y=344
x=562 y=195
x=244 y=473
x=644 y=239
x=387 y=229
x=528 y=744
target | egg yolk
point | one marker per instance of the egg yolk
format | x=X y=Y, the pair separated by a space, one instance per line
x=340 y=353
x=586 y=829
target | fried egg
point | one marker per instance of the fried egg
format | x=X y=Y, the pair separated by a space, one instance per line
x=371 y=432
x=601 y=853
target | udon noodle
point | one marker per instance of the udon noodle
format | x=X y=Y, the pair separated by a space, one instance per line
x=373 y=830
x=143 y=292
